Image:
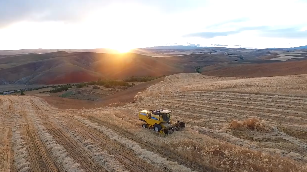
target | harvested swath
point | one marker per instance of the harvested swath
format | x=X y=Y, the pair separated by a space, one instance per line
x=58 y=151
x=100 y=156
x=20 y=151
x=103 y=158
x=5 y=144
x=111 y=162
x=143 y=153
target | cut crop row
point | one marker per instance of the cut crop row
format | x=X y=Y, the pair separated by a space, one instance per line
x=143 y=153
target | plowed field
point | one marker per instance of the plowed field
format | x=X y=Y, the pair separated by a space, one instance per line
x=256 y=124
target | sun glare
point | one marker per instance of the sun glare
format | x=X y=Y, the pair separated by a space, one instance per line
x=122 y=50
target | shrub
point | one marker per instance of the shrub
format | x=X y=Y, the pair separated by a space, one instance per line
x=22 y=92
x=60 y=88
x=198 y=69
x=112 y=83
x=81 y=85
x=91 y=83
x=66 y=94
x=140 y=79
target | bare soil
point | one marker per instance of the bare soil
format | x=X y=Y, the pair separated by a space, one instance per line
x=111 y=99
x=259 y=70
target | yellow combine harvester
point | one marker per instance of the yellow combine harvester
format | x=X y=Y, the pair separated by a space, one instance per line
x=159 y=120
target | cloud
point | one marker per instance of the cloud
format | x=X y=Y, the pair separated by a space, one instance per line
x=19 y=10
x=73 y=10
x=156 y=22
x=291 y=33
x=211 y=34
x=226 y=33
x=228 y=22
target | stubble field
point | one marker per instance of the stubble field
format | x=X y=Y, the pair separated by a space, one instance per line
x=232 y=124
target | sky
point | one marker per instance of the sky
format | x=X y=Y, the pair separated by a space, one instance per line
x=128 y=24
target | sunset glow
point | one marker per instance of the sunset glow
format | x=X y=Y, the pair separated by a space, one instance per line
x=124 y=25
x=123 y=49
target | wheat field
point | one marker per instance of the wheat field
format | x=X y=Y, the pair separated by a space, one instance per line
x=232 y=124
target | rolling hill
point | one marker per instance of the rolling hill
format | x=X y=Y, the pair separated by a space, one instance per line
x=63 y=67
x=72 y=67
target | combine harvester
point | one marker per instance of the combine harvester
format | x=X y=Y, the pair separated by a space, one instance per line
x=159 y=120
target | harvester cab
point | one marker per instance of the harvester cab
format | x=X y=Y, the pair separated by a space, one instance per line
x=160 y=121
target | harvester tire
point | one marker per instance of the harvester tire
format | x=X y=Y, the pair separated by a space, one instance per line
x=157 y=127
x=182 y=124
x=166 y=131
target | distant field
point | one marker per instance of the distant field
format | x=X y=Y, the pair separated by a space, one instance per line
x=258 y=70
x=290 y=55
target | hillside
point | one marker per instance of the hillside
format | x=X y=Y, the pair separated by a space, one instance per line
x=72 y=67
x=63 y=67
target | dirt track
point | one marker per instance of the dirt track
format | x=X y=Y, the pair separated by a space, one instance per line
x=40 y=137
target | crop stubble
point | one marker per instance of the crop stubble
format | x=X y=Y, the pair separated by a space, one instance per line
x=39 y=137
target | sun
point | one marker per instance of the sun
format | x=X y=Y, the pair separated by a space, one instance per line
x=122 y=50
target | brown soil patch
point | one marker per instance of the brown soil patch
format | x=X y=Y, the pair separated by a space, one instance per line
x=261 y=70
x=116 y=99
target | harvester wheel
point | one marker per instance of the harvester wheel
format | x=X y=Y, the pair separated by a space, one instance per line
x=157 y=127
x=182 y=124
x=144 y=126
x=166 y=131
